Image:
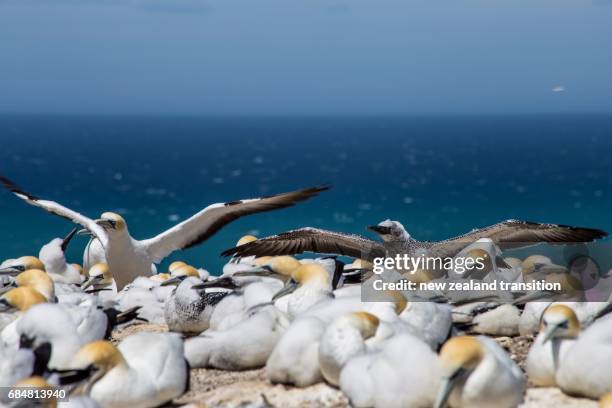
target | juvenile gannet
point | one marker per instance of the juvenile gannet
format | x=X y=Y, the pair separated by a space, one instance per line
x=145 y=370
x=477 y=372
x=506 y=234
x=129 y=258
x=188 y=310
x=342 y=340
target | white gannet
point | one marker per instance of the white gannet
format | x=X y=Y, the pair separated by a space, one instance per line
x=343 y=339
x=246 y=345
x=145 y=370
x=309 y=285
x=295 y=358
x=578 y=362
x=506 y=234
x=559 y=328
x=53 y=324
x=18 y=364
x=477 y=372
x=129 y=258
x=403 y=373
x=52 y=255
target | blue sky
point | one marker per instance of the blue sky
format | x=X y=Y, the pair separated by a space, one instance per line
x=225 y=57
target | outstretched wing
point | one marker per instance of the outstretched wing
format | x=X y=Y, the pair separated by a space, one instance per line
x=516 y=234
x=57 y=209
x=311 y=240
x=211 y=219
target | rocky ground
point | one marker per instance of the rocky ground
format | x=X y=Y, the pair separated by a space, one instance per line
x=246 y=389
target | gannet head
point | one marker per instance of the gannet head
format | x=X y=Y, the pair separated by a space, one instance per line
x=180 y=274
x=112 y=222
x=458 y=357
x=102 y=354
x=93 y=361
x=365 y=322
x=175 y=265
x=284 y=265
x=559 y=321
x=307 y=274
x=99 y=275
x=390 y=231
x=20 y=299
x=160 y=277
x=38 y=280
x=246 y=239
x=530 y=263
x=22 y=264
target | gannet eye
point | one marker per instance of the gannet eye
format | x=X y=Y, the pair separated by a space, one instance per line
x=564 y=324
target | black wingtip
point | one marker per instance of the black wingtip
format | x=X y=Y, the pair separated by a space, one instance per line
x=12 y=187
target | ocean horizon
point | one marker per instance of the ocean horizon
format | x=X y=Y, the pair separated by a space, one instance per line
x=439 y=175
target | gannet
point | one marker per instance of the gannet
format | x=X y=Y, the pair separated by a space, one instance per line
x=309 y=285
x=343 y=339
x=578 y=362
x=52 y=255
x=129 y=258
x=53 y=324
x=506 y=234
x=295 y=358
x=403 y=373
x=18 y=364
x=477 y=372
x=145 y=370
x=245 y=345
x=188 y=310
x=558 y=329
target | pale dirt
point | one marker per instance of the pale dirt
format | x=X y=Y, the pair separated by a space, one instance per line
x=250 y=389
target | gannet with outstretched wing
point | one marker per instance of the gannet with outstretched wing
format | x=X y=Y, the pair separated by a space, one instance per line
x=507 y=234
x=129 y=258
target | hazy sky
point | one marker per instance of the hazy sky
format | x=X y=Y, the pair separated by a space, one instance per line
x=305 y=57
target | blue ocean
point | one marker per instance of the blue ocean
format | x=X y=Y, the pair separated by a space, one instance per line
x=439 y=176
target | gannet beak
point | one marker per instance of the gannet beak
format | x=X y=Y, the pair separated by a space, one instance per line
x=74 y=376
x=5 y=307
x=380 y=229
x=84 y=231
x=91 y=281
x=225 y=283
x=263 y=271
x=12 y=270
x=550 y=333
x=446 y=387
x=8 y=287
x=66 y=240
x=289 y=287
x=173 y=281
